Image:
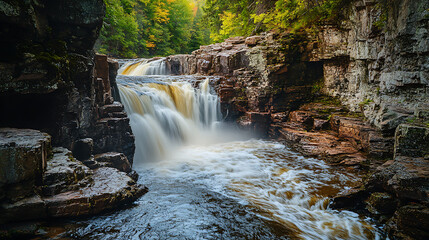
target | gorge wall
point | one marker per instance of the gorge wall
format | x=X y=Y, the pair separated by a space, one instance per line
x=375 y=60
x=62 y=135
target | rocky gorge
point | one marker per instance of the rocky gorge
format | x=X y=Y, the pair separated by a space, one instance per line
x=354 y=93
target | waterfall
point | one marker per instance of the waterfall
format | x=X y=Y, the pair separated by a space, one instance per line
x=165 y=113
x=144 y=67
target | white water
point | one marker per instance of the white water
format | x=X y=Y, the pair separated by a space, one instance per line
x=167 y=114
x=180 y=140
x=143 y=67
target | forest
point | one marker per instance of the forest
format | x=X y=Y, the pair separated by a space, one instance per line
x=148 y=28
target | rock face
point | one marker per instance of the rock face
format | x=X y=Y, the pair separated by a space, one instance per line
x=398 y=192
x=52 y=81
x=377 y=60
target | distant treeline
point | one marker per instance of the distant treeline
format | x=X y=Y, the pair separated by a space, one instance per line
x=147 y=28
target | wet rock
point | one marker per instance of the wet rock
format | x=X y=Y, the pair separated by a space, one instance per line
x=392 y=118
x=323 y=145
x=82 y=148
x=381 y=203
x=406 y=177
x=112 y=110
x=411 y=141
x=64 y=173
x=23 y=156
x=115 y=160
x=412 y=221
x=258 y=123
x=108 y=189
x=113 y=71
x=349 y=199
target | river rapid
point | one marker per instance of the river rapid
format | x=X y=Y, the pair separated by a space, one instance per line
x=209 y=180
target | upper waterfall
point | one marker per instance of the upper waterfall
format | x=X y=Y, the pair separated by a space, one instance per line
x=144 y=67
x=165 y=111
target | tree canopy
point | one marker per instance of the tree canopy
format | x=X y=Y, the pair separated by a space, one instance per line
x=147 y=28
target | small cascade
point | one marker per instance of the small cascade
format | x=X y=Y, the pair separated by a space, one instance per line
x=144 y=67
x=164 y=114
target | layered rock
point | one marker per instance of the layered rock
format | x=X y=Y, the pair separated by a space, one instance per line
x=398 y=192
x=69 y=188
x=52 y=81
x=325 y=129
x=376 y=60
x=23 y=159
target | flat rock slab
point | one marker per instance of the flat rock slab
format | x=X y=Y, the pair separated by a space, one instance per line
x=109 y=189
x=322 y=144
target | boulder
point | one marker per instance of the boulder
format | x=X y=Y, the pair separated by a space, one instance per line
x=23 y=160
x=115 y=160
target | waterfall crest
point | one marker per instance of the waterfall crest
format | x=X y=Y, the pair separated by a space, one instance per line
x=144 y=67
x=167 y=113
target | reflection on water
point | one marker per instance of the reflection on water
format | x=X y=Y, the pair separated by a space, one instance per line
x=237 y=190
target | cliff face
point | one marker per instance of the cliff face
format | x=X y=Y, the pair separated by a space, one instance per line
x=377 y=60
x=48 y=79
x=51 y=81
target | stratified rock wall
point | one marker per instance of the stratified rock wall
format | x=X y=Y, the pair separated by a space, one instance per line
x=51 y=79
x=377 y=60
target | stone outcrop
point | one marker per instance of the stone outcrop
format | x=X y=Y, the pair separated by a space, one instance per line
x=398 y=192
x=52 y=81
x=58 y=184
x=23 y=155
x=325 y=129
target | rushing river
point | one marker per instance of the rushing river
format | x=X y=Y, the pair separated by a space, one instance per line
x=208 y=180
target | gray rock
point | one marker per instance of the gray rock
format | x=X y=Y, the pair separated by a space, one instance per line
x=23 y=156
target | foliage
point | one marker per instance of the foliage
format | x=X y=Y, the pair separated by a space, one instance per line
x=144 y=28
x=245 y=17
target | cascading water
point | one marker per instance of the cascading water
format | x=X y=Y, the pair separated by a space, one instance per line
x=165 y=113
x=207 y=183
x=144 y=67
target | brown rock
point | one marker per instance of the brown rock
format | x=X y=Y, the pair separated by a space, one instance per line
x=252 y=41
x=115 y=160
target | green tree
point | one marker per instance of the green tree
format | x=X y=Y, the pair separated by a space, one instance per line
x=120 y=30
